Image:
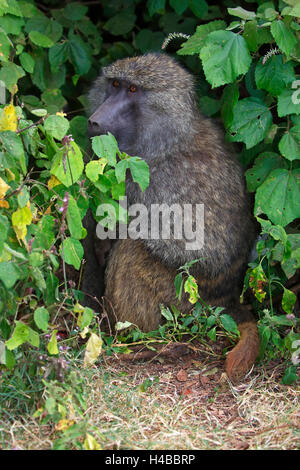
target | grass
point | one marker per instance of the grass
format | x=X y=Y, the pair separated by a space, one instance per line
x=190 y=405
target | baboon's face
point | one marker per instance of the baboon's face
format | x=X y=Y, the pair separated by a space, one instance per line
x=118 y=113
x=146 y=102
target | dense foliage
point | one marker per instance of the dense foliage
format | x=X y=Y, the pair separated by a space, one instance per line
x=245 y=60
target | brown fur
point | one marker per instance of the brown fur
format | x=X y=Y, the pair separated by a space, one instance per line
x=189 y=163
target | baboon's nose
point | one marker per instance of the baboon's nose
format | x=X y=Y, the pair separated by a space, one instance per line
x=93 y=128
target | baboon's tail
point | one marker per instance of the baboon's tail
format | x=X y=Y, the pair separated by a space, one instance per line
x=241 y=358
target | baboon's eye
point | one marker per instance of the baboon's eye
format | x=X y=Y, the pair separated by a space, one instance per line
x=132 y=88
x=116 y=83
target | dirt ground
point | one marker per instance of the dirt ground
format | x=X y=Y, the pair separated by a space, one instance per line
x=180 y=399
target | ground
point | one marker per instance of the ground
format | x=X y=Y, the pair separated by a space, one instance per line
x=171 y=402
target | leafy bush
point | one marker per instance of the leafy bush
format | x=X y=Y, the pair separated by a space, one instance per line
x=245 y=59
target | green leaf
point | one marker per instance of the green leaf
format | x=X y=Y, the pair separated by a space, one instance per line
x=74 y=219
x=122 y=325
x=20 y=336
x=23 y=197
x=147 y=40
x=178 y=285
x=209 y=106
x=224 y=56
x=9 y=273
x=80 y=54
x=27 y=62
x=75 y=11
x=50 y=294
x=295 y=11
x=274 y=75
x=28 y=10
x=194 y=44
x=12 y=7
x=52 y=345
x=106 y=146
x=36 y=259
x=7 y=358
x=288 y=103
x=264 y=164
x=118 y=190
x=50 y=405
x=139 y=171
x=68 y=169
x=278 y=197
x=288 y=300
x=281 y=320
x=251 y=121
x=48 y=27
x=12 y=24
x=120 y=170
x=4 y=226
x=179 y=6
x=5 y=46
x=41 y=318
x=57 y=126
x=78 y=129
x=289 y=144
x=38 y=276
x=283 y=36
x=10 y=74
x=228 y=323
x=120 y=24
x=72 y=251
x=212 y=334
x=265 y=335
x=44 y=235
x=230 y=98
x=156 y=6
x=166 y=313
x=199 y=8
x=251 y=35
x=290 y=376
x=33 y=338
x=242 y=13
x=85 y=316
x=40 y=39
x=58 y=54
x=55 y=102
x=13 y=145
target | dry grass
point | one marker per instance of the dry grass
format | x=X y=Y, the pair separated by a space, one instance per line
x=202 y=411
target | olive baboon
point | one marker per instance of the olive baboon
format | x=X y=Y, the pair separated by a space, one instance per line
x=149 y=104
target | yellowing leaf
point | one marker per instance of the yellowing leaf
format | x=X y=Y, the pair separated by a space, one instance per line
x=90 y=443
x=84 y=332
x=52 y=345
x=64 y=424
x=20 y=219
x=48 y=210
x=8 y=119
x=95 y=168
x=4 y=187
x=20 y=231
x=10 y=175
x=191 y=287
x=93 y=350
x=4 y=204
x=53 y=181
x=61 y=114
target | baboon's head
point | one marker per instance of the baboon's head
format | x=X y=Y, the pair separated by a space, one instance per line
x=147 y=102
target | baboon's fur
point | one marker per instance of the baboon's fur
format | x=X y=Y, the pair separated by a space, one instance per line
x=189 y=164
